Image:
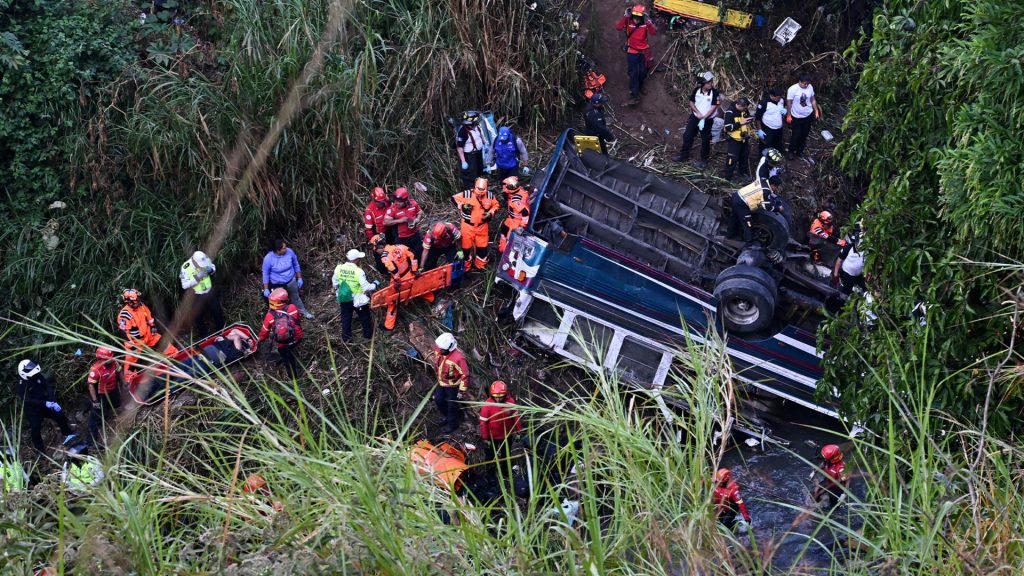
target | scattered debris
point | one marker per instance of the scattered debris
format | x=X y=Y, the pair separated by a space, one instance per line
x=786 y=31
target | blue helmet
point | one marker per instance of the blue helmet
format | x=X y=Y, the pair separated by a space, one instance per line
x=598 y=99
x=504 y=134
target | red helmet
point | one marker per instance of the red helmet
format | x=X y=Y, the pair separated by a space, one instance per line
x=379 y=195
x=637 y=10
x=402 y=194
x=499 y=388
x=278 y=298
x=723 y=475
x=438 y=230
x=825 y=216
x=103 y=353
x=511 y=184
x=131 y=296
x=831 y=453
x=480 y=186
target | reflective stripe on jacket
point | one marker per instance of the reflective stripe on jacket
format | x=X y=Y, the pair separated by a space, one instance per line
x=189 y=278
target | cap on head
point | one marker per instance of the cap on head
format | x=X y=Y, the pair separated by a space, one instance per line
x=278 y=298
x=353 y=255
x=504 y=134
x=831 y=453
x=480 y=186
x=103 y=353
x=707 y=76
x=637 y=10
x=200 y=258
x=723 y=475
x=470 y=117
x=773 y=156
x=446 y=342
x=28 y=369
x=499 y=388
x=379 y=195
x=598 y=99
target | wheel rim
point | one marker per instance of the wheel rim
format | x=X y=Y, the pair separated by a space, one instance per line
x=742 y=312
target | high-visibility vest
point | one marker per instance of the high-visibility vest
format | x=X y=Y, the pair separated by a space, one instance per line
x=347 y=274
x=79 y=476
x=13 y=477
x=752 y=195
x=203 y=285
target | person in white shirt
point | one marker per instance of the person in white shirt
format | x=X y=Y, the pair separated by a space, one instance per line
x=704 y=102
x=848 y=272
x=770 y=115
x=803 y=111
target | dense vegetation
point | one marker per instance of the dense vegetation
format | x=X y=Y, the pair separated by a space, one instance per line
x=935 y=125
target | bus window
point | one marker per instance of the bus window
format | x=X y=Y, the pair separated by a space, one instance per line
x=589 y=334
x=638 y=362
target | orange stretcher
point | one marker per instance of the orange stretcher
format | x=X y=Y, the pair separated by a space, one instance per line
x=444 y=463
x=186 y=360
x=427 y=282
x=705 y=12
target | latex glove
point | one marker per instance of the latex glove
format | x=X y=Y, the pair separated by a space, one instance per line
x=266 y=292
x=53 y=406
x=465 y=166
x=700 y=125
x=300 y=282
x=490 y=168
x=789 y=118
x=761 y=135
x=376 y=285
x=526 y=170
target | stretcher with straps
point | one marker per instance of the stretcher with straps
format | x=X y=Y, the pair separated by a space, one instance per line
x=427 y=282
x=706 y=12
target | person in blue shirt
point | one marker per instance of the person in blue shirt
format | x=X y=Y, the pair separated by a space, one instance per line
x=510 y=154
x=281 y=270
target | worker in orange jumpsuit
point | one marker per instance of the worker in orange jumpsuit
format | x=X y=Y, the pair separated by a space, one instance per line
x=139 y=327
x=834 y=481
x=518 y=209
x=499 y=419
x=727 y=500
x=821 y=234
x=402 y=265
x=477 y=207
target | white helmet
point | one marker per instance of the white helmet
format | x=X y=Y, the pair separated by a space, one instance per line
x=27 y=369
x=201 y=259
x=446 y=342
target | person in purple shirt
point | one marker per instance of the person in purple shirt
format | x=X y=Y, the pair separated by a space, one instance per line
x=281 y=270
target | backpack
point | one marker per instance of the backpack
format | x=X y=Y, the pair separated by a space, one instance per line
x=284 y=327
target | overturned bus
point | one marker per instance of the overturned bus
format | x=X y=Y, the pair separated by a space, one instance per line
x=619 y=260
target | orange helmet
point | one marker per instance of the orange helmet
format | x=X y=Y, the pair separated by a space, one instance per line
x=402 y=194
x=510 y=184
x=637 y=10
x=379 y=195
x=438 y=230
x=480 y=186
x=254 y=483
x=278 y=298
x=131 y=296
x=378 y=241
x=105 y=354
x=723 y=475
x=831 y=453
x=499 y=388
x=826 y=217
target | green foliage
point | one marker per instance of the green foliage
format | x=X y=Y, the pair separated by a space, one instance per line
x=936 y=126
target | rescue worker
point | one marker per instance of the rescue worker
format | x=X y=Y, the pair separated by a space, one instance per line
x=499 y=419
x=833 y=481
x=637 y=27
x=848 y=272
x=36 y=392
x=477 y=207
x=282 y=322
x=822 y=235
x=405 y=215
x=727 y=500
x=402 y=265
x=518 y=210
x=139 y=327
x=770 y=115
x=373 y=216
x=510 y=154
x=452 y=380
x=197 y=275
x=281 y=270
x=81 y=472
x=803 y=111
x=352 y=288
x=471 y=148
x=12 y=474
x=594 y=122
x=758 y=195
x=443 y=239
x=738 y=128
x=104 y=382
x=704 y=102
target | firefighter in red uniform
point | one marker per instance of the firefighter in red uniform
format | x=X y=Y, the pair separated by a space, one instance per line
x=405 y=214
x=373 y=222
x=834 y=481
x=402 y=267
x=452 y=380
x=822 y=234
x=727 y=499
x=499 y=419
x=477 y=207
x=518 y=210
x=283 y=323
x=637 y=26
x=105 y=379
x=442 y=239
